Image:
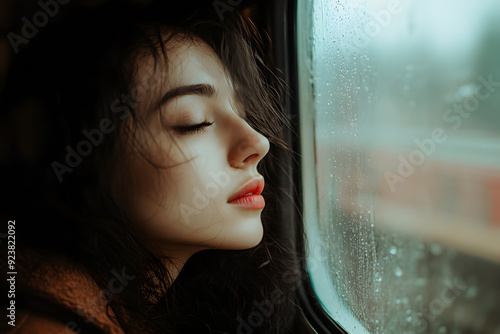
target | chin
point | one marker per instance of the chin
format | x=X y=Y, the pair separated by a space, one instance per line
x=244 y=235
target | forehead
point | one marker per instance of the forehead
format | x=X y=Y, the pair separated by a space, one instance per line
x=193 y=62
x=186 y=61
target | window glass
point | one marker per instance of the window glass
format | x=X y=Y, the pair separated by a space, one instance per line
x=400 y=123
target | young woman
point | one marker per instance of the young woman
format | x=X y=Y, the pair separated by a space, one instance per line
x=137 y=141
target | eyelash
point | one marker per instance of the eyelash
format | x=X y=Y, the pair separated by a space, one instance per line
x=192 y=129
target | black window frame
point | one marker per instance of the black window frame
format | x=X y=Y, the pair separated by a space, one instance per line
x=281 y=25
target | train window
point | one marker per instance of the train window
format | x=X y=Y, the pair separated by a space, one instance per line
x=400 y=130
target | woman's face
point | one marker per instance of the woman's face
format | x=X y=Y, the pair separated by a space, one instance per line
x=198 y=133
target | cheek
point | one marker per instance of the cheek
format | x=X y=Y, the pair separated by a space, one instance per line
x=146 y=184
x=174 y=203
x=197 y=195
x=155 y=204
x=182 y=202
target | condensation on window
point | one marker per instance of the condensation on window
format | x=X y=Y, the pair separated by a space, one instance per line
x=405 y=114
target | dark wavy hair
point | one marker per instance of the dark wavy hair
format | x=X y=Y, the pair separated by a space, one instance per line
x=66 y=80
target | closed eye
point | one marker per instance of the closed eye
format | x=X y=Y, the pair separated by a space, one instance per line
x=191 y=128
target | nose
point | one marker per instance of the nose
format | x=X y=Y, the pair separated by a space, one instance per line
x=248 y=146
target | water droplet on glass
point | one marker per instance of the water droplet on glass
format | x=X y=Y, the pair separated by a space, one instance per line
x=393 y=250
x=398 y=272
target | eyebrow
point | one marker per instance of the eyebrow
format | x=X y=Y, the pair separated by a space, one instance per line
x=197 y=89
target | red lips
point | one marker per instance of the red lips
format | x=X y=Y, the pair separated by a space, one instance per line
x=249 y=196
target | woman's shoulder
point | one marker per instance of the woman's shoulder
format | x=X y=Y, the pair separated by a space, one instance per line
x=56 y=295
